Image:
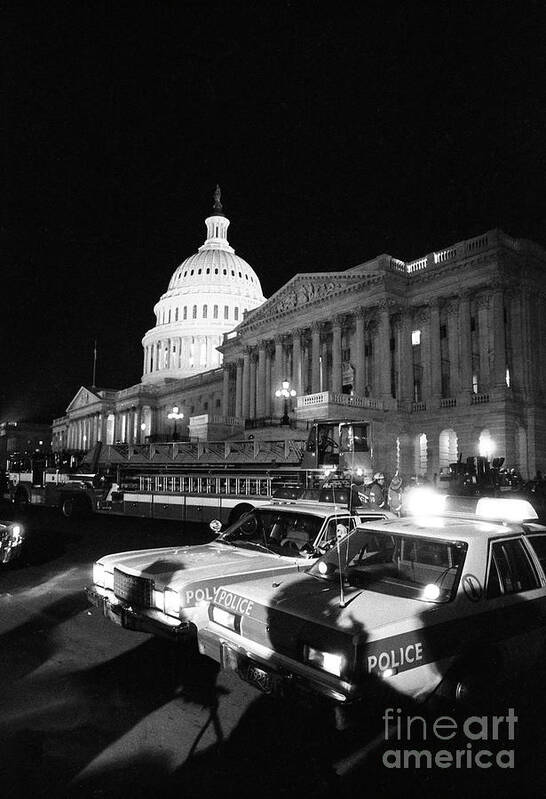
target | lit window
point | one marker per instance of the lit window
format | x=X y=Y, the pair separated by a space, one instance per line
x=475 y=384
x=226 y=312
x=508 y=377
x=415 y=337
x=215 y=312
x=194 y=314
x=205 y=311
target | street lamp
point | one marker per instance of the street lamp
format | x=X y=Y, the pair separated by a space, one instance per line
x=285 y=392
x=175 y=416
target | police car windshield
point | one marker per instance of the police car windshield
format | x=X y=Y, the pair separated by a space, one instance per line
x=280 y=531
x=399 y=565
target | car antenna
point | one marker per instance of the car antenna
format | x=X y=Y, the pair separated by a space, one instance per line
x=341 y=589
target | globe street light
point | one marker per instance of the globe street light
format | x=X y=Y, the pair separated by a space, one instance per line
x=175 y=416
x=285 y=392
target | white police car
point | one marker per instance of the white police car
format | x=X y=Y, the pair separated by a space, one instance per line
x=167 y=591
x=423 y=602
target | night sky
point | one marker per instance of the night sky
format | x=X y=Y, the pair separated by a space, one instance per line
x=337 y=131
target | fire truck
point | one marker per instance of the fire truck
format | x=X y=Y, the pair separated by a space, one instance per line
x=199 y=481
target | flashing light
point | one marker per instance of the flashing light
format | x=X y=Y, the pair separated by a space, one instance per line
x=224 y=618
x=388 y=673
x=424 y=501
x=323 y=567
x=327 y=661
x=510 y=510
x=431 y=592
x=171 y=601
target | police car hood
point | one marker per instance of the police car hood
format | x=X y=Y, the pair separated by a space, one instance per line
x=178 y=567
x=314 y=600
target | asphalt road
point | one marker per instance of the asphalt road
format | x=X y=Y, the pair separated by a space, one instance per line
x=91 y=710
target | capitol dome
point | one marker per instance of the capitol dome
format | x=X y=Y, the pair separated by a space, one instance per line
x=207 y=296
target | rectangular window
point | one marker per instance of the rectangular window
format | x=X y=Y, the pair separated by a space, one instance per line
x=415 y=337
x=176 y=315
x=215 y=312
x=226 y=312
x=185 y=312
x=510 y=570
x=205 y=311
x=194 y=312
x=443 y=331
x=236 y=314
x=367 y=350
x=346 y=355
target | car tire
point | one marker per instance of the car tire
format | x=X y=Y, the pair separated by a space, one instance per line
x=21 y=500
x=74 y=507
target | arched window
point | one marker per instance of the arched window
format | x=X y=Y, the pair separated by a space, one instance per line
x=205 y=311
x=421 y=461
x=448 y=446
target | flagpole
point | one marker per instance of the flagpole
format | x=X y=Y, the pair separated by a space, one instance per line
x=94 y=362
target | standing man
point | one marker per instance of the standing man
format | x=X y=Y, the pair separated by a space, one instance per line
x=377 y=491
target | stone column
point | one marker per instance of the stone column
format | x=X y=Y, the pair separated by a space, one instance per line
x=253 y=370
x=405 y=352
x=435 y=350
x=296 y=361
x=465 y=344
x=336 y=355
x=315 y=357
x=246 y=383
x=260 y=381
x=483 y=324
x=383 y=351
x=278 y=374
x=225 y=389
x=453 y=347
x=268 y=386
x=239 y=389
x=360 y=375
x=499 y=338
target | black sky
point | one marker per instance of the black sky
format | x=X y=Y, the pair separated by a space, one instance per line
x=336 y=131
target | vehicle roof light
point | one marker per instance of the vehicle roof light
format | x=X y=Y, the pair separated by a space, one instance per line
x=424 y=502
x=510 y=510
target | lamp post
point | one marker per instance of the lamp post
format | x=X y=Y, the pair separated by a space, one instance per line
x=285 y=392
x=175 y=416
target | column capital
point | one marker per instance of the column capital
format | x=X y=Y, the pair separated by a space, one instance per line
x=482 y=300
x=452 y=307
x=278 y=338
x=360 y=312
x=262 y=344
x=338 y=320
x=434 y=304
x=317 y=326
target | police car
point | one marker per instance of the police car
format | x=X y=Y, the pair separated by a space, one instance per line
x=11 y=541
x=425 y=603
x=167 y=591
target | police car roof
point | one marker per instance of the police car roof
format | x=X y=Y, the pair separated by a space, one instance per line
x=448 y=528
x=306 y=506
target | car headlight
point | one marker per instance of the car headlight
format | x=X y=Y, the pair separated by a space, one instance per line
x=172 y=602
x=225 y=618
x=17 y=533
x=326 y=661
x=98 y=574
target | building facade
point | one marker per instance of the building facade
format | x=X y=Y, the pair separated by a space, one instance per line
x=443 y=354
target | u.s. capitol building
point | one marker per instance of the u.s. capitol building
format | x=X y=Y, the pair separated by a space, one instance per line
x=445 y=354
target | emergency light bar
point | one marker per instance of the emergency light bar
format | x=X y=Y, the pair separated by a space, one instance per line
x=428 y=502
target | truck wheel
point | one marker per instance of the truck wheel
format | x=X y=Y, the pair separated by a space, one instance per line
x=21 y=500
x=238 y=511
x=68 y=507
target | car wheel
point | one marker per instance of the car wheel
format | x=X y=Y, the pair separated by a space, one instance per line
x=21 y=500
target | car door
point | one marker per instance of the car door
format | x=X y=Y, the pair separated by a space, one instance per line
x=516 y=600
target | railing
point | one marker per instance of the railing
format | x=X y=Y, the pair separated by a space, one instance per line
x=445 y=255
x=208 y=452
x=479 y=399
x=448 y=402
x=418 y=265
x=329 y=397
x=418 y=406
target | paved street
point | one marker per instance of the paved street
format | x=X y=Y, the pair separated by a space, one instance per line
x=88 y=709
